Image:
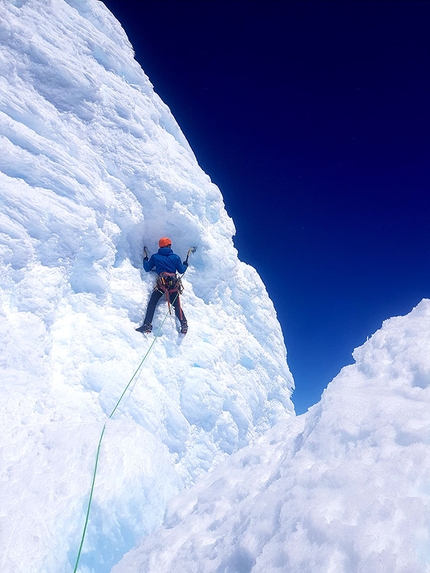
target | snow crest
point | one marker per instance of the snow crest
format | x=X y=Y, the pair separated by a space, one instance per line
x=92 y=166
x=344 y=488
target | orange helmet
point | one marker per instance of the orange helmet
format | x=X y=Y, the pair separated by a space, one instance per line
x=164 y=242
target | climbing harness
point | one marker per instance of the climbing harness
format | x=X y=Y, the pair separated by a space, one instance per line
x=90 y=499
x=167 y=284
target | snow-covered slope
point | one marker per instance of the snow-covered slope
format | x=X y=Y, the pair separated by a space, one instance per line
x=344 y=488
x=92 y=165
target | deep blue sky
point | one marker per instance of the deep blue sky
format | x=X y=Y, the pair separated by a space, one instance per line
x=313 y=118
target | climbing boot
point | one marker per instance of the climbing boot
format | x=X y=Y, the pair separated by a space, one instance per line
x=146 y=328
x=184 y=327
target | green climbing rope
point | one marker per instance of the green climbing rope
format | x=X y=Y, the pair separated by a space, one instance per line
x=87 y=516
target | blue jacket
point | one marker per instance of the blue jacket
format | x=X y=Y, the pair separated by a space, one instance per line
x=165 y=261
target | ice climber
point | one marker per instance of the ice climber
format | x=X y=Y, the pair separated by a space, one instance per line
x=167 y=264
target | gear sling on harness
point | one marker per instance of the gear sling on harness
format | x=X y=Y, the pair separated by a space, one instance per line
x=170 y=283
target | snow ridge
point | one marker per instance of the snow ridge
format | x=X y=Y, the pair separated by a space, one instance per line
x=341 y=489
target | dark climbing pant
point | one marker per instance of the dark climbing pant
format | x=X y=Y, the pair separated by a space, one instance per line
x=153 y=301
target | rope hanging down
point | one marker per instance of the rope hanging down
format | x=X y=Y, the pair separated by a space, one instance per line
x=191 y=250
x=101 y=439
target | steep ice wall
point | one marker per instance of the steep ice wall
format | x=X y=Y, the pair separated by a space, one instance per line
x=344 y=488
x=92 y=165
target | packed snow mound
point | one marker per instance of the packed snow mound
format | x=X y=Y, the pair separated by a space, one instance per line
x=92 y=166
x=344 y=488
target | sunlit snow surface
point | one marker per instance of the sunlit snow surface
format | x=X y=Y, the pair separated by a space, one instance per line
x=92 y=166
x=344 y=488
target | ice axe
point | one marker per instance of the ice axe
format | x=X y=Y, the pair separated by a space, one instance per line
x=190 y=250
x=145 y=250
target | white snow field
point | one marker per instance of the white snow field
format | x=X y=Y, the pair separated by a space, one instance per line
x=344 y=488
x=92 y=167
